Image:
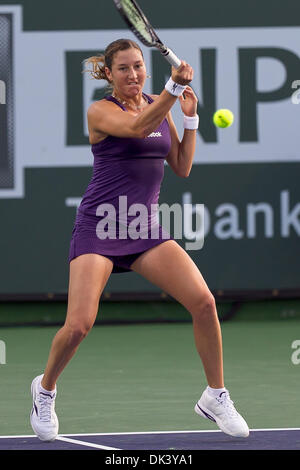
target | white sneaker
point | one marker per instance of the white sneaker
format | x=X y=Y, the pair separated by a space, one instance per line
x=43 y=418
x=221 y=410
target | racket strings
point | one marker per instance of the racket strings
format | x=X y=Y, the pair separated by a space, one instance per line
x=137 y=20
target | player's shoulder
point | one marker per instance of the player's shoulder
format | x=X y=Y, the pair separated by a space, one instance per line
x=99 y=106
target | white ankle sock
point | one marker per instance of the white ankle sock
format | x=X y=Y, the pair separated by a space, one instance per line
x=47 y=392
x=215 y=392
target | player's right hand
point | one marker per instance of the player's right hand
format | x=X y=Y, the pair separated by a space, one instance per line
x=183 y=75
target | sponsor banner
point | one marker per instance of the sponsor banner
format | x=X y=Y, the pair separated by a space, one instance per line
x=252 y=71
x=244 y=178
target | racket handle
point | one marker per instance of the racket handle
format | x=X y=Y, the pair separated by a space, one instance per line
x=172 y=58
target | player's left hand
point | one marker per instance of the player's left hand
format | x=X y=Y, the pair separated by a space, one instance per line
x=188 y=102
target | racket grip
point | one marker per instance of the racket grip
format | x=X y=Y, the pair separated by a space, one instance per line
x=172 y=58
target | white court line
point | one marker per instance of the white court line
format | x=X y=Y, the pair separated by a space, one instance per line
x=174 y=432
x=147 y=432
x=83 y=443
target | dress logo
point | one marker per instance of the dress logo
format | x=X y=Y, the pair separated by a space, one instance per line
x=155 y=134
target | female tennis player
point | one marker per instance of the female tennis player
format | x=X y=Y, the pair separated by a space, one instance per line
x=132 y=134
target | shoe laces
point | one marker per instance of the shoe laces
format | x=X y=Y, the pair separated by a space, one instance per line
x=46 y=403
x=227 y=405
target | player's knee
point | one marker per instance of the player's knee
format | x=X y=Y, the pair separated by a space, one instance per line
x=77 y=332
x=203 y=307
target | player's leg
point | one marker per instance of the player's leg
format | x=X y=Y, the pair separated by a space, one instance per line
x=89 y=274
x=169 y=267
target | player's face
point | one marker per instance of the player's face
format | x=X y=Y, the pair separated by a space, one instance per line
x=128 y=72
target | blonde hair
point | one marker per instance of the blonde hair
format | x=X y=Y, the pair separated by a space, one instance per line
x=105 y=60
x=98 y=67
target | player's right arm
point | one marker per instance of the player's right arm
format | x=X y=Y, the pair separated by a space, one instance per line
x=105 y=118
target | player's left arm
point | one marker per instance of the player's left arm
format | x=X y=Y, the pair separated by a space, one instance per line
x=181 y=155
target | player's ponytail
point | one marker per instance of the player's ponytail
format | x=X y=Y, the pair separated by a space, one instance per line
x=98 y=67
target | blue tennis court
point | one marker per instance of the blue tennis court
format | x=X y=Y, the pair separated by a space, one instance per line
x=259 y=439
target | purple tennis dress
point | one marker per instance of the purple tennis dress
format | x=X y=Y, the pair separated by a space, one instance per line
x=118 y=214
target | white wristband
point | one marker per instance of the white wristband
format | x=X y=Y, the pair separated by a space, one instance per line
x=191 y=122
x=174 y=88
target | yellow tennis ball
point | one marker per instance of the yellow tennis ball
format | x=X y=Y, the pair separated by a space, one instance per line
x=223 y=118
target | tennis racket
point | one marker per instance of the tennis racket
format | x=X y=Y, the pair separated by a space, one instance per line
x=140 y=26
